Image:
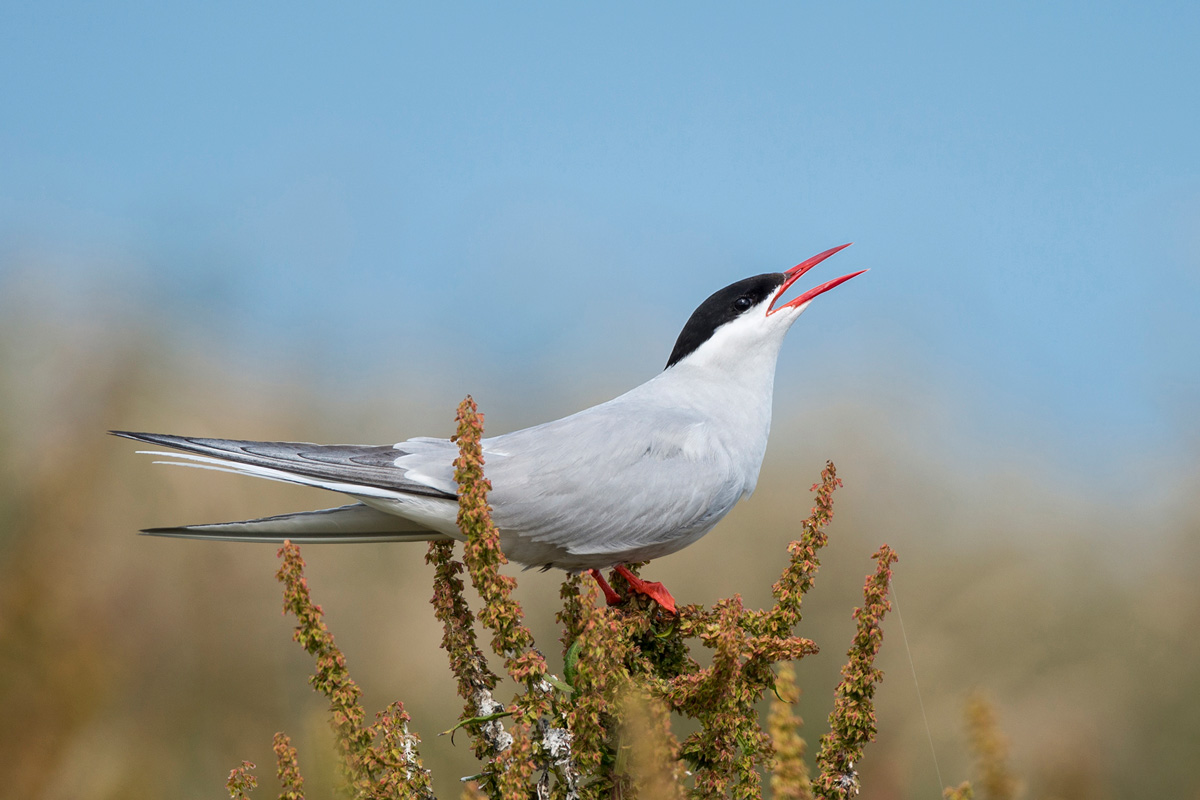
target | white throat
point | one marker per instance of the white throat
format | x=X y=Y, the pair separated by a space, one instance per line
x=730 y=379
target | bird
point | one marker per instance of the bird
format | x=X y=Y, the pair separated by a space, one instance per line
x=630 y=480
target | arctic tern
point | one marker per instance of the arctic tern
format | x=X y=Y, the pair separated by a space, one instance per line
x=638 y=477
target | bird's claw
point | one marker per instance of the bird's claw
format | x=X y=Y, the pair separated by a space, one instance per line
x=652 y=589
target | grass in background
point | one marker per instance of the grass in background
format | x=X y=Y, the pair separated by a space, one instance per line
x=140 y=668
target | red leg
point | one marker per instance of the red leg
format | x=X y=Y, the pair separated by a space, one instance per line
x=610 y=596
x=652 y=589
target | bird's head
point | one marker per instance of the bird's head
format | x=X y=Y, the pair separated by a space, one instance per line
x=747 y=317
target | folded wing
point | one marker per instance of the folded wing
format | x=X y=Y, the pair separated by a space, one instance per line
x=369 y=470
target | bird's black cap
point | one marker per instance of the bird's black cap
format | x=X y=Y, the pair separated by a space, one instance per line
x=721 y=307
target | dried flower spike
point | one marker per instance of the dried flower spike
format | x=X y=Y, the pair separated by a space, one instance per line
x=852 y=723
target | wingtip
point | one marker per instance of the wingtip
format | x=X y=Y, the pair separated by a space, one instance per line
x=165 y=439
x=137 y=436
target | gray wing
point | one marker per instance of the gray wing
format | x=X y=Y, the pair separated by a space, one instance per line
x=355 y=469
x=597 y=483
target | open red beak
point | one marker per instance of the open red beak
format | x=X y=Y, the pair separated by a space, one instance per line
x=797 y=271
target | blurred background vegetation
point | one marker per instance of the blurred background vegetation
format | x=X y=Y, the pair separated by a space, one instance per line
x=137 y=667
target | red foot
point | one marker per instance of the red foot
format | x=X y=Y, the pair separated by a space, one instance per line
x=610 y=596
x=652 y=589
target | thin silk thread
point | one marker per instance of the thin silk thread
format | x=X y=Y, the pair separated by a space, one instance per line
x=913 y=667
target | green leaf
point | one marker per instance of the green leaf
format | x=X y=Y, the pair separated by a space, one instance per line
x=484 y=718
x=561 y=685
x=572 y=658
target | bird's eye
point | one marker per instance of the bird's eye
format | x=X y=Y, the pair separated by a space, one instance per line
x=743 y=303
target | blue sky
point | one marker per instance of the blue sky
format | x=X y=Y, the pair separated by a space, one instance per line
x=362 y=185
